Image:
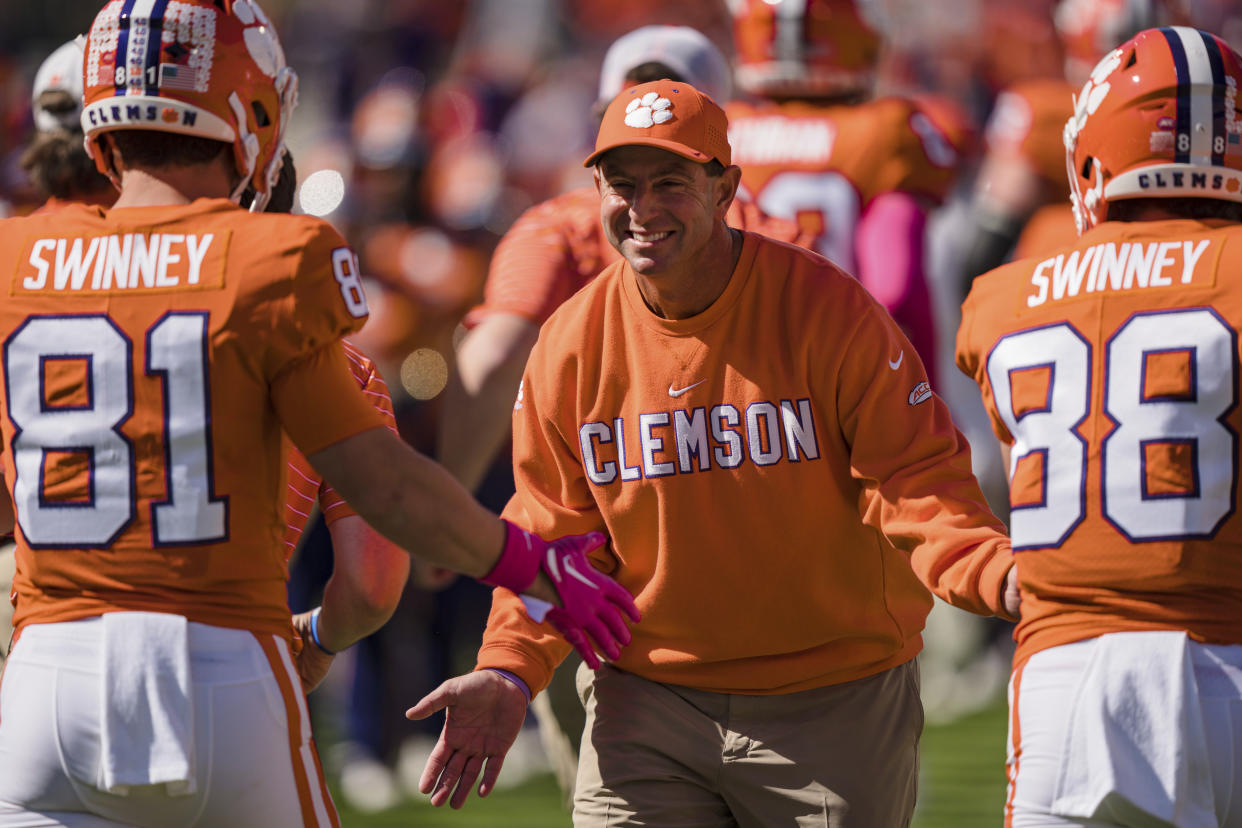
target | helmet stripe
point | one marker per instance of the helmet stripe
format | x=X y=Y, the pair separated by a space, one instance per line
x=1220 y=136
x=151 y=60
x=119 y=78
x=1182 y=146
x=134 y=46
x=1196 y=85
x=789 y=20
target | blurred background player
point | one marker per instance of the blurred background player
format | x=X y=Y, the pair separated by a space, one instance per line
x=550 y=252
x=56 y=161
x=1110 y=370
x=146 y=387
x=859 y=174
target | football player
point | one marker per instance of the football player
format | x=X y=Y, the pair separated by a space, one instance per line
x=1110 y=370
x=859 y=174
x=152 y=355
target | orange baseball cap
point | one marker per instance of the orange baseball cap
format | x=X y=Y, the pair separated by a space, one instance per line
x=667 y=114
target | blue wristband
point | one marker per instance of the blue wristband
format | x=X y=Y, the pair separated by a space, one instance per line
x=314 y=629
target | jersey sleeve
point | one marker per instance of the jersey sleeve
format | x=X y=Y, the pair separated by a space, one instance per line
x=914 y=155
x=532 y=271
x=914 y=466
x=373 y=386
x=319 y=402
x=306 y=313
x=319 y=301
x=552 y=498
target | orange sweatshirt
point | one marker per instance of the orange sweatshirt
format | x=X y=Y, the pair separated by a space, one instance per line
x=775 y=476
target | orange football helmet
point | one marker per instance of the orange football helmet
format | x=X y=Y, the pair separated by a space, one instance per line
x=210 y=68
x=1157 y=118
x=805 y=48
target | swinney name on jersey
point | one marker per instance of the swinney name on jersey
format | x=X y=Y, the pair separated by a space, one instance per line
x=684 y=441
x=778 y=140
x=122 y=262
x=1115 y=267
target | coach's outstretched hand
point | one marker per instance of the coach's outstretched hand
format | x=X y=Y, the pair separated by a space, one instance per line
x=484 y=713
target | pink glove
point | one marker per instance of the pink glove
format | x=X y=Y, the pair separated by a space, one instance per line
x=590 y=616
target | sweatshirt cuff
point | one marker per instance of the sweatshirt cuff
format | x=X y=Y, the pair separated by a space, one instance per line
x=992 y=582
x=521 y=685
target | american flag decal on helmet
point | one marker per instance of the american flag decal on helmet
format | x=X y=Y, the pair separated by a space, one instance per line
x=173 y=76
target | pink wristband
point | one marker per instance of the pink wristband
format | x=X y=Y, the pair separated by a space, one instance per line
x=519 y=561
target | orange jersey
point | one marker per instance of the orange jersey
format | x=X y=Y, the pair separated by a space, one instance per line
x=152 y=358
x=1026 y=125
x=306 y=486
x=558 y=246
x=1111 y=367
x=767 y=471
x=823 y=165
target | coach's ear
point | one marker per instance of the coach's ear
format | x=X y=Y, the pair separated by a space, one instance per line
x=726 y=185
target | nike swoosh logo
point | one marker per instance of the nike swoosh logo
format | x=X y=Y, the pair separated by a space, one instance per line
x=895 y=364
x=677 y=392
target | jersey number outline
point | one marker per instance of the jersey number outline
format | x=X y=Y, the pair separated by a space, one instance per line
x=1193 y=420
x=177 y=355
x=828 y=198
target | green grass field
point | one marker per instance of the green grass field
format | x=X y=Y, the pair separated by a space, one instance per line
x=962 y=786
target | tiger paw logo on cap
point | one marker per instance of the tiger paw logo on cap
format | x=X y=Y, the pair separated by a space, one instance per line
x=647 y=111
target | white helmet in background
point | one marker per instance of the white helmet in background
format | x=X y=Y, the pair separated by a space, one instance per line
x=61 y=71
x=686 y=51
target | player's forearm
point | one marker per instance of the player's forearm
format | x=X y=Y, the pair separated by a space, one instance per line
x=412 y=501
x=478 y=405
x=368 y=576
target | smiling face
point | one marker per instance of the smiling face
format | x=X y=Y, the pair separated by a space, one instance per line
x=664 y=213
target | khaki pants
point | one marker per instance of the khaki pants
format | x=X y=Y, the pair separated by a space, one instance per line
x=561 y=719
x=655 y=754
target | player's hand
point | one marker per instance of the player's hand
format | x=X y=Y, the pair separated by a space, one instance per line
x=593 y=606
x=1011 y=597
x=484 y=713
x=312 y=660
